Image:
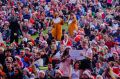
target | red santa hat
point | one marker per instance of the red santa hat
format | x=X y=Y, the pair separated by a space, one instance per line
x=2 y=45
x=77 y=38
x=115 y=70
x=30 y=69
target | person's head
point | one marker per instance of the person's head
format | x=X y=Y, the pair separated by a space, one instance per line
x=6 y=25
x=66 y=52
x=53 y=41
x=8 y=53
x=93 y=43
x=9 y=60
x=26 y=10
x=53 y=47
x=72 y=16
x=27 y=50
x=65 y=36
x=17 y=58
x=56 y=15
x=98 y=64
x=22 y=53
x=17 y=71
x=41 y=74
x=46 y=36
x=9 y=66
x=85 y=43
x=1 y=50
x=42 y=52
x=26 y=71
x=76 y=65
x=102 y=42
x=50 y=66
x=116 y=56
x=37 y=55
x=63 y=31
x=62 y=48
x=45 y=44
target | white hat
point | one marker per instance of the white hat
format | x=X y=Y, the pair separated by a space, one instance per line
x=18 y=57
x=26 y=20
x=25 y=39
x=2 y=49
x=41 y=71
x=27 y=48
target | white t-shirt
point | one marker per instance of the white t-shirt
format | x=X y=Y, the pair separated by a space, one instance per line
x=75 y=74
x=65 y=67
x=57 y=20
x=87 y=52
x=115 y=27
x=70 y=21
x=72 y=1
x=58 y=55
x=39 y=62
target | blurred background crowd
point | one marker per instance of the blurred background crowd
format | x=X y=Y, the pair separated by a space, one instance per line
x=28 y=49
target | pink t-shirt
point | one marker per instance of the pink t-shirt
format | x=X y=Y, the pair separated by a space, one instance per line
x=109 y=1
x=65 y=67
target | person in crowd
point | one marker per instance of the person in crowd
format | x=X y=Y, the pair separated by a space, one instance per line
x=57 y=27
x=75 y=74
x=15 y=29
x=41 y=75
x=50 y=73
x=65 y=65
x=73 y=26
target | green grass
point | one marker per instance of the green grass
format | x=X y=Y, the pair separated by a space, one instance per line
x=65 y=26
x=43 y=68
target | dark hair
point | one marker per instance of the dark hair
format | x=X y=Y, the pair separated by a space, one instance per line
x=19 y=71
x=8 y=50
x=76 y=63
x=66 y=52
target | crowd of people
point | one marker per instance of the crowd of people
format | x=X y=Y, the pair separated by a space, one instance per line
x=93 y=30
